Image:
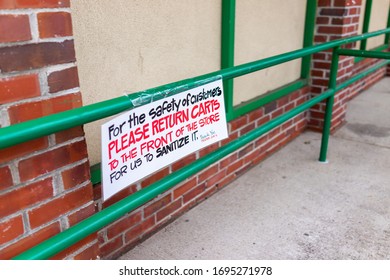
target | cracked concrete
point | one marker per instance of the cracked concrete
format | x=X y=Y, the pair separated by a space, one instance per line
x=293 y=207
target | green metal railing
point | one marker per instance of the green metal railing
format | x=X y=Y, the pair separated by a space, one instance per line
x=19 y=133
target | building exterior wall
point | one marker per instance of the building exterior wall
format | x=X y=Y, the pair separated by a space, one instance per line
x=134 y=45
x=45 y=184
x=378 y=20
x=263 y=29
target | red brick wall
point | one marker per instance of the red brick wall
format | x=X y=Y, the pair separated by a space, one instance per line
x=128 y=231
x=45 y=183
x=337 y=19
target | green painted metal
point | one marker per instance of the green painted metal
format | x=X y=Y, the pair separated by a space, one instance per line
x=359 y=76
x=360 y=53
x=11 y=135
x=387 y=36
x=377 y=49
x=96 y=174
x=366 y=23
x=19 y=133
x=108 y=215
x=227 y=49
x=308 y=36
x=329 y=106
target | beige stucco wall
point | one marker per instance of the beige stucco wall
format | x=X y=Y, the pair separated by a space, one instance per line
x=378 y=20
x=137 y=44
x=265 y=28
x=132 y=45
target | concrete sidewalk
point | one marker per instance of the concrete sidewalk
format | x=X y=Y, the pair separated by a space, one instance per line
x=293 y=207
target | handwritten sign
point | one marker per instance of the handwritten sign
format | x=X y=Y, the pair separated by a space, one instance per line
x=148 y=138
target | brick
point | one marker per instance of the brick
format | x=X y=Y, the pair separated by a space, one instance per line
x=119 y=196
x=344 y=3
x=35 y=56
x=155 y=177
x=322 y=20
x=75 y=176
x=24 y=4
x=14 y=28
x=245 y=150
x=333 y=12
x=81 y=214
x=123 y=224
x=48 y=161
x=75 y=247
x=206 y=174
x=19 y=88
x=168 y=210
x=324 y=3
x=209 y=149
x=330 y=29
x=187 y=186
x=111 y=246
x=235 y=166
x=191 y=195
x=238 y=123
x=29 y=241
x=270 y=107
x=11 y=229
x=5 y=178
x=69 y=134
x=247 y=128
x=59 y=206
x=138 y=231
x=157 y=205
x=25 y=196
x=63 y=80
x=213 y=180
x=36 y=109
x=23 y=149
x=54 y=24
x=183 y=162
x=255 y=115
x=91 y=253
x=228 y=160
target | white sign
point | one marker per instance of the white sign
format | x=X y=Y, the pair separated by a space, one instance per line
x=148 y=138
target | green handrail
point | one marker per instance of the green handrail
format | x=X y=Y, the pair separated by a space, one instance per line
x=29 y=130
x=89 y=113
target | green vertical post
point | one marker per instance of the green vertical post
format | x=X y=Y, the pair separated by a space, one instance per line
x=387 y=36
x=329 y=106
x=227 y=50
x=366 y=23
x=308 y=36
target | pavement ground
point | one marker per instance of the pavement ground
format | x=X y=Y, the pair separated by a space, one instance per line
x=293 y=207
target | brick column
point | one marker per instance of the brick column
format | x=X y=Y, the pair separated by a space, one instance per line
x=45 y=183
x=335 y=19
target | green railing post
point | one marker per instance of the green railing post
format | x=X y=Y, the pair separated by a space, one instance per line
x=227 y=50
x=387 y=36
x=310 y=20
x=366 y=23
x=329 y=106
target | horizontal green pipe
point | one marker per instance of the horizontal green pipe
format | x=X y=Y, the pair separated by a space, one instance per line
x=377 y=49
x=238 y=111
x=63 y=240
x=22 y=132
x=67 y=238
x=360 y=53
x=361 y=75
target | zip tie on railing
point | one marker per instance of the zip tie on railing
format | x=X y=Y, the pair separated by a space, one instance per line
x=146 y=97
